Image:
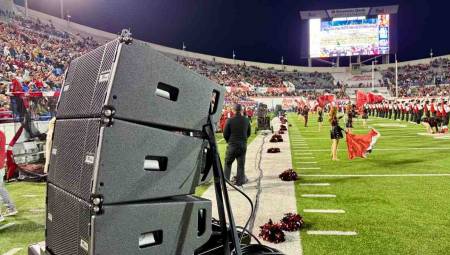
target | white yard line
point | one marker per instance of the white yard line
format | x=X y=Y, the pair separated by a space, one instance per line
x=309 y=168
x=300 y=157
x=323 y=211
x=318 y=195
x=301 y=162
x=315 y=184
x=303 y=153
x=331 y=233
x=13 y=251
x=373 y=175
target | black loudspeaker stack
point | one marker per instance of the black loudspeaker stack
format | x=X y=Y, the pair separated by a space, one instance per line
x=126 y=155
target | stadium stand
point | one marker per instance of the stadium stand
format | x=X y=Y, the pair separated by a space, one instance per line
x=34 y=54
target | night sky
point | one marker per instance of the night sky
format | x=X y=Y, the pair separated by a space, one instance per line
x=258 y=30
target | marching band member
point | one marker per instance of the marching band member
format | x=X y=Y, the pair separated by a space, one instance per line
x=433 y=108
x=350 y=115
x=426 y=108
x=365 y=115
x=402 y=110
x=391 y=107
x=320 y=119
x=407 y=109
x=447 y=116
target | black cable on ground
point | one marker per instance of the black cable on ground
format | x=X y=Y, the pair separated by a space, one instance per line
x=258 y=184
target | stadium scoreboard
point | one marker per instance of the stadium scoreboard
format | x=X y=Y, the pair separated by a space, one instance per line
x=364 y=31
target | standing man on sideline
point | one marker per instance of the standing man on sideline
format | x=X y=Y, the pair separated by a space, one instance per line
x=4 y=195
x=236 y=132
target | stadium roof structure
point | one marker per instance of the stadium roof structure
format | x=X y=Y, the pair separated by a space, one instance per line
x=348 y=12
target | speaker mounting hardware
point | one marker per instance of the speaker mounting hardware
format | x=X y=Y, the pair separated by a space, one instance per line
x=97 y=204
x=125 y=36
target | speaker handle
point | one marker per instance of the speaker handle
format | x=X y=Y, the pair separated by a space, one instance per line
x=214 y=102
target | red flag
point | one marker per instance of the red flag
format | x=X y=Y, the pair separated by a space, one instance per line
x=326 y=99
x=361 y=145
x=374 y=98
x=361 y=99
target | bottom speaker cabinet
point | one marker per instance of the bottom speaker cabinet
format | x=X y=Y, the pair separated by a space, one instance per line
x=175 y=226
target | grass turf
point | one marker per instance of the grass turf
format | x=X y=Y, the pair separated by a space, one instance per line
x=392 y=215
x=30 y=225
x=222 y=148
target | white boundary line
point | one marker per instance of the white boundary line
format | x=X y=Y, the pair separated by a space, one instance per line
x=315 y=184
x=13 y=251
x=323 y=211
x=319 y=195
x=331 y=233
x=373 y=175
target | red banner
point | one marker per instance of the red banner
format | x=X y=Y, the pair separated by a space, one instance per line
x=374 y=98
x=361 y=145
x=361 y=99
x=326 y=99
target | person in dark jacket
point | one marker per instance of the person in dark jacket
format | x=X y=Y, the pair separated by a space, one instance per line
x=236 y=132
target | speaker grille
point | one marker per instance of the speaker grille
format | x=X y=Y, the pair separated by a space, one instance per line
x=68 y=222
x=86 y=85
x=73 y=154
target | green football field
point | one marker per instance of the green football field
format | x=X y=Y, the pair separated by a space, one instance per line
x=403 y=211
x=389 y=200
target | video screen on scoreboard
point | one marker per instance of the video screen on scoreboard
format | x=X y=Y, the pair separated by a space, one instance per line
x=349 y=36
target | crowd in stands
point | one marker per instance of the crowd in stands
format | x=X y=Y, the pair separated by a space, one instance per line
x=260 y=82
x=421 y=79
x=33 y=58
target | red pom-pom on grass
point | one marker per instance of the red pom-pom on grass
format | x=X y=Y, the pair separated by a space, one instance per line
x=271 y=232
x=276 y=138
x=291 y=222
x=273 y=150
x=288 y=175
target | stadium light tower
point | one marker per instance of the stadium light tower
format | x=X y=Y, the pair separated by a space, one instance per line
x=282 y=60
x=184 y=46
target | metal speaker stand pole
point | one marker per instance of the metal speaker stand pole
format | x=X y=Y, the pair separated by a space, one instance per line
x=222 y=195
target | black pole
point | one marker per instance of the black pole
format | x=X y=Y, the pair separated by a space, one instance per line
x=218 y=187
x=222 y=195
